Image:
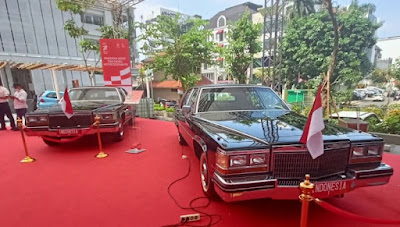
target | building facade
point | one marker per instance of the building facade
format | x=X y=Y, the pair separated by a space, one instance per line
x=36 y=52
x=218 y=25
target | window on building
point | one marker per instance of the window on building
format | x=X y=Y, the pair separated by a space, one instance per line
x=205 y=66
x=221 y=37
x=174 y=90
x=95 y=19
x=221 y=21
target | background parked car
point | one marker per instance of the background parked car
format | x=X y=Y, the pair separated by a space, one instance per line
x=167 y=104
x=47 y=99
x=358 y=95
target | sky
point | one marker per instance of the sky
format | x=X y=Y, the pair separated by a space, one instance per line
x=386 y=10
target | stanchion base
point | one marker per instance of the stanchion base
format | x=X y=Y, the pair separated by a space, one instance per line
x=27 y=159
x=101 y=155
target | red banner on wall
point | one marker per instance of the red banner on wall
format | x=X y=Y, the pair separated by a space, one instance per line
x=115 y=59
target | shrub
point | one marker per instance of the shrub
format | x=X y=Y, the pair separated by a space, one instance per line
x=170 y=109
x=158 y=107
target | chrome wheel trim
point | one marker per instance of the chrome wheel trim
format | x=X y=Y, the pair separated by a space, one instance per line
x=204 y=175
x=121 y=133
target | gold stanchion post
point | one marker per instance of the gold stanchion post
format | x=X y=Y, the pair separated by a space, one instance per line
x=27 y=157
x=306 y=189
x=101 y=154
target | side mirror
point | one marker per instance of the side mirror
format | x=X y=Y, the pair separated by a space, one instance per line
x=186 y=109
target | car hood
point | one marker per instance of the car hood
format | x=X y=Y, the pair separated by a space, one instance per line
x=271 y=126
x=86 y=106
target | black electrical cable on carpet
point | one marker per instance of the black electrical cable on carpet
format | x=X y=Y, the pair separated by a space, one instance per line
x=191 y=206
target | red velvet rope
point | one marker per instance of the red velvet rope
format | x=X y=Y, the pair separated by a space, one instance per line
x=64 y=140
x=347 y=214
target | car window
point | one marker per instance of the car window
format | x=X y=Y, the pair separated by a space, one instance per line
x=239 y=98
x=185 y=97
x=192 y=99
x=51 y=95
x=94 y=94
x=122 y=93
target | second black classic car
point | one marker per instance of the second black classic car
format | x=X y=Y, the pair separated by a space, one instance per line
x=87 y=102
x=247 y=141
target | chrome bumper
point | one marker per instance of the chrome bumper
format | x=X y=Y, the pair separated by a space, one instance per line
x=244 y=188
x=46 y=131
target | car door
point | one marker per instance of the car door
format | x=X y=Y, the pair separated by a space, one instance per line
x=187 y=109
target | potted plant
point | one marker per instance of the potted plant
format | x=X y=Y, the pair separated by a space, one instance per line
x=170 y=111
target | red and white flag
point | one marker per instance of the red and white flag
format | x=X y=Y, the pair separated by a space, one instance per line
x=66 y=105
x=312 y=133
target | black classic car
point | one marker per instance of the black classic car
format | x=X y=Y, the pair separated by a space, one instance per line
x=247 y=141
x=87 y=102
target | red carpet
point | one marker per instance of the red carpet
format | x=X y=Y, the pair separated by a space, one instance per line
x=67 y=186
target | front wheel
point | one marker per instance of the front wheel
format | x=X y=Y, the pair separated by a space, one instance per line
x=205 y=177
x=119 y=136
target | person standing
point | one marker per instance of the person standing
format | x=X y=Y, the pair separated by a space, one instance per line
x=19 y=97
x=5 y=109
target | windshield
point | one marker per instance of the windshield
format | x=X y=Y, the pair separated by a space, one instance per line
x=239 y=98
x=94 y=94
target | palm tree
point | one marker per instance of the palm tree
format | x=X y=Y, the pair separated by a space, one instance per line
x=300 y=8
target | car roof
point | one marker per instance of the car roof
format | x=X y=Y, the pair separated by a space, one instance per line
x=229 y=85
x=97 y=87
x=353 y=114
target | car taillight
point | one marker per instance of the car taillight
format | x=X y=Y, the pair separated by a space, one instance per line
x=242 y=161
x=366 y=153
x=41 y=100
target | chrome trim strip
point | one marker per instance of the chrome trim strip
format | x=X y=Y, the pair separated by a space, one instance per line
x=233 y=130
x=223 y=181
x=375 y=175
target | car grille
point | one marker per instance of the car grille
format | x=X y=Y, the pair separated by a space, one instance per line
x=294 y=165
x=76 y=121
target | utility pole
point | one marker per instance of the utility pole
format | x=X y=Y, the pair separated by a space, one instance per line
x=263 y=47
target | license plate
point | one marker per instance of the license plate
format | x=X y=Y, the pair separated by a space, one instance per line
x=71 y=131
x=331 y=186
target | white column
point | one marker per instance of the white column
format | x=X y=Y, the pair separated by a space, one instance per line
x=64 y=73
x=55 y=84
x=147 y=87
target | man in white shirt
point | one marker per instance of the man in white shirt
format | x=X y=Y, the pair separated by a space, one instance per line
x=19 y=98
x=5 y=109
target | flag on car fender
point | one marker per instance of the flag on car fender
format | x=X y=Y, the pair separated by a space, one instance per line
x=312 y=133
x=66 y=105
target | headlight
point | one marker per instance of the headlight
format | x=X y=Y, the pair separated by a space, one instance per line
x=237 y=160
x=373 y=150
x=358 y=151
x=107 y=117
x=43 y=119
x=366 y=153
x=32 y=119
x=257 y=159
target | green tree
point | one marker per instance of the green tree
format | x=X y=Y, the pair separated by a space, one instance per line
x=179 y=46
x=76 y=30
x=243 y=44
x=308 y=41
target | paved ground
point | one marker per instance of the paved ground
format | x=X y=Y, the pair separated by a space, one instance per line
x=363 y=103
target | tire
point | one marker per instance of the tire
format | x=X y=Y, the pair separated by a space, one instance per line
x=119 y=136
x=205 y=177
x=181 y=139
x=50 y=143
